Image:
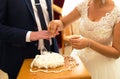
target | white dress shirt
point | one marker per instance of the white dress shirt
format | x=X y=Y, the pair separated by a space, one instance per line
x=46 y=16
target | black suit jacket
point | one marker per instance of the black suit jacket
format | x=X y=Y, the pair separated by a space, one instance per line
x=16 y=19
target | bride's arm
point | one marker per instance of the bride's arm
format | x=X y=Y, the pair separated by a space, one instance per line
x=110 y=51
x=71 y=17
x=58 y=25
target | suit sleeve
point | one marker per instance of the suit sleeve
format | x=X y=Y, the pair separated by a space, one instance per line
x=9 y=33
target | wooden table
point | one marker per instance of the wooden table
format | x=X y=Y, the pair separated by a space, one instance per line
x=79 y=72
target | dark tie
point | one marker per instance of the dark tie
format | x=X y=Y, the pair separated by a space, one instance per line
x=43 y=24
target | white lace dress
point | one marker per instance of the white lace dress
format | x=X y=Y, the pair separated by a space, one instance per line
x=99 y=66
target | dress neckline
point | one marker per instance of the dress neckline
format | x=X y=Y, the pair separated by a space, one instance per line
x=106 y=14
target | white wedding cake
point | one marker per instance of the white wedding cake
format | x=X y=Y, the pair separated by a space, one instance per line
x=48 y=60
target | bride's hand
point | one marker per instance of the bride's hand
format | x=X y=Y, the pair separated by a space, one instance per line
x=79 y=42
x=54 y=27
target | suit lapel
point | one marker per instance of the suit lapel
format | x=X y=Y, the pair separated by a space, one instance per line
x=29 y=5
x=48 y=2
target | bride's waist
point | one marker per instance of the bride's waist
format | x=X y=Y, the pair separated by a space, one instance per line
x=90 y=53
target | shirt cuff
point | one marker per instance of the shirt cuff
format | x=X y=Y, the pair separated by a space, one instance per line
x=28 y=36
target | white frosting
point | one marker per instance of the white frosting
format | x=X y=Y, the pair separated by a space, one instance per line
x=48 y=60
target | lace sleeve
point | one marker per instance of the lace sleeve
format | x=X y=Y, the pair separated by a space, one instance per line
x=118 y=16
x=82 y=6
x=118 y=11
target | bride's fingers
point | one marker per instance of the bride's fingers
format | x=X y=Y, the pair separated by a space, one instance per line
x=75 y=37
x=52 y=28
x=76 y=47
x=75 y=41
x=49 y=28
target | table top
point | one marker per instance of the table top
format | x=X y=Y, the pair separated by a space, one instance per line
x=78 y=72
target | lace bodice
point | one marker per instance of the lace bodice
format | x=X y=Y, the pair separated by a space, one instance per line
x=99 y=66
x=100 y=31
